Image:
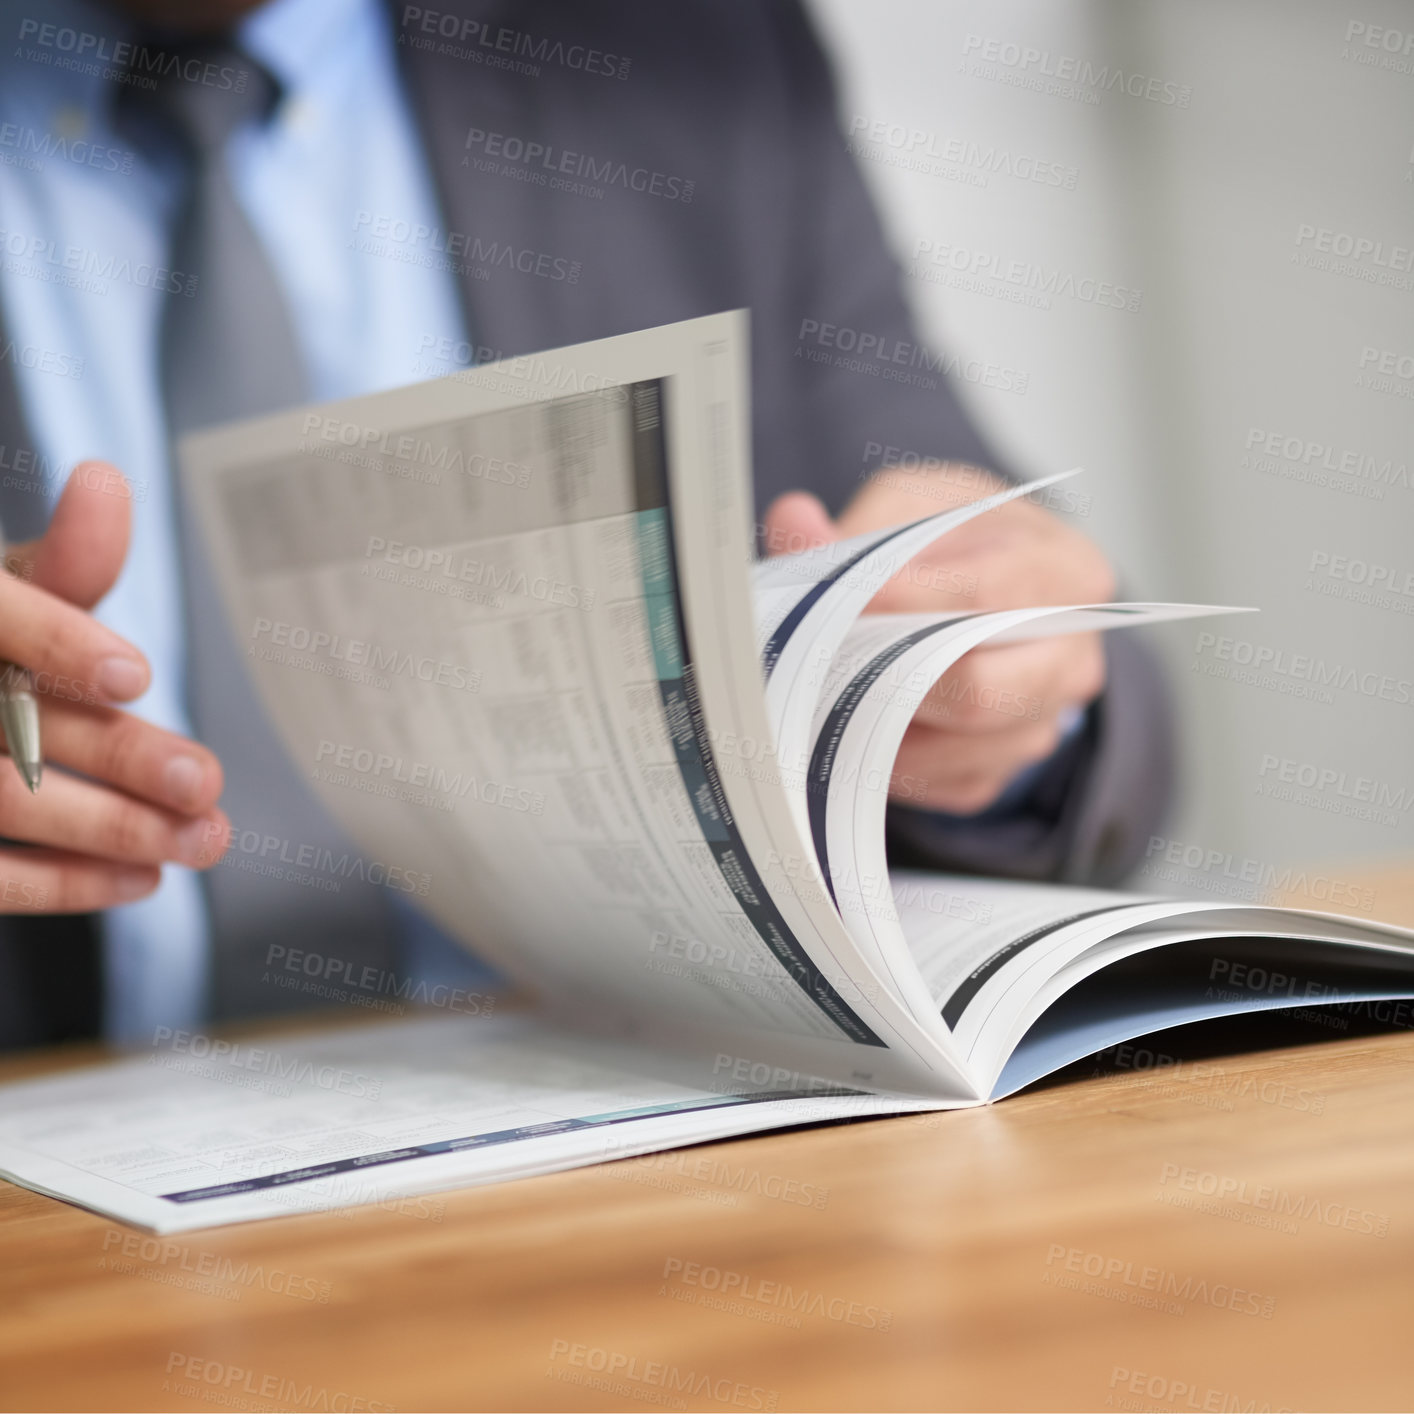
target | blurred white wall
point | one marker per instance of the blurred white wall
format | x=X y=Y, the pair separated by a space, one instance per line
x=1242 y=171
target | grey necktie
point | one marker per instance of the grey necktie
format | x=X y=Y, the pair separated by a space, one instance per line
x=229 y=351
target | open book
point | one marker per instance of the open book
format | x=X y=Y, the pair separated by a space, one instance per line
x=509 y=628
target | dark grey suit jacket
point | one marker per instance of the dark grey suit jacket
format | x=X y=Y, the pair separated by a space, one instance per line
x=734 y=106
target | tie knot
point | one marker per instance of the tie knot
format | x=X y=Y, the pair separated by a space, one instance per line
x=196 y=91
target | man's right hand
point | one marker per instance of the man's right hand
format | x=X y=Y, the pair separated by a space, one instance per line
x=130 y=796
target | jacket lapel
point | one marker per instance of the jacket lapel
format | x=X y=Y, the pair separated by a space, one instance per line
x=495 y=228
x=23 y=506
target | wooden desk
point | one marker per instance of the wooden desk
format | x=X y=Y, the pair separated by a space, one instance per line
x=940 y=1262
x=935 y=1262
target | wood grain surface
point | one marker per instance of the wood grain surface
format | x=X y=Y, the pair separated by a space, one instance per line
x=1188 y=1231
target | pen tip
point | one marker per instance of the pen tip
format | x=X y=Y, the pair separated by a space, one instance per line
x=31 y=775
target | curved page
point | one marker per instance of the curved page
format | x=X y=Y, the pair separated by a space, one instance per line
x=807 y=603
x=1169 y=985
x=1028 y=987
x=503 y=624
x=880 y=677
x=998 y=956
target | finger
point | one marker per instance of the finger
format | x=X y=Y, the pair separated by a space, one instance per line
x=955 y=792
x=931 y=582
x=895 y=496
x=797 y=521
x=56 y=881
x=965 y=774
x=91 y=819
x=1001 y=562
x=960 y=795
x=1014 y=555
x=1022 y=556
x=81 y=553
x=69 y=651
x=124 y=751
x=991 y=689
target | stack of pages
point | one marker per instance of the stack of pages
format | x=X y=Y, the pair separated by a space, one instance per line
x=508 y=626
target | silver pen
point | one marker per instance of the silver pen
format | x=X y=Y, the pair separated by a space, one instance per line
x=19 y=715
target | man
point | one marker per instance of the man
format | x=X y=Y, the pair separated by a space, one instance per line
x=213 y=208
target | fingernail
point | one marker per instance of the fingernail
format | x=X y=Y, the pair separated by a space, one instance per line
x=134 y=883
x=196 y=842
x=181 y=779
x=121 y=678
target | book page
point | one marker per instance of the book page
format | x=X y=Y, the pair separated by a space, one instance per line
x=1014 y=997
x=961 y=931
x=997 y=954
x=873 y=688
x=199 y=1133
x=502 y=623
x=1167 y=986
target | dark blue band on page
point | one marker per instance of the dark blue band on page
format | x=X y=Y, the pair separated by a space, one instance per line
x=973 y=983
x=687 y=728
x=771 y=653
x=495 y=1137
x=827 y=744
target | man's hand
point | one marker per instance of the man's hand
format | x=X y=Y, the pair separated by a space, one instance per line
x=998 y=710
x=133 y=796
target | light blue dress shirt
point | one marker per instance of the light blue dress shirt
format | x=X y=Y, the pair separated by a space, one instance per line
x=74 y=197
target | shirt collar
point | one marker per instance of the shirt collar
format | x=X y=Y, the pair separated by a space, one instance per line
x=61 y=55
x=293 y=37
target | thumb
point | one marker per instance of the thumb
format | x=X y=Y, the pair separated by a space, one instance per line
x=78 y=557
x=797 y=521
